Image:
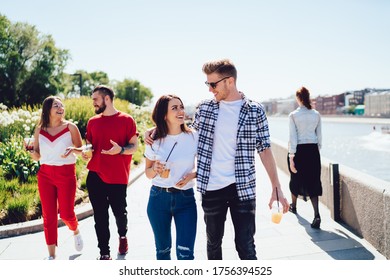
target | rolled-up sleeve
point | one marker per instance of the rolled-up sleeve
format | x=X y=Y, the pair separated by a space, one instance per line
x=262 y=132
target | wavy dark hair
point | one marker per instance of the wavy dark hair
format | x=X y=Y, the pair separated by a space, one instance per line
x=105 y=90
x=159 y=113
x=46 y=107
x=303 y=95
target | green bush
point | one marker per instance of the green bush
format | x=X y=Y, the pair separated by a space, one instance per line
x=15 y=160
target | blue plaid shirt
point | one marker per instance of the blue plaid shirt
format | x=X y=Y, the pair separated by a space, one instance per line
x=252 y=134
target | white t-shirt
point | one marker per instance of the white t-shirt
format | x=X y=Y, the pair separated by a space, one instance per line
x=182 y=158
x=222 y=172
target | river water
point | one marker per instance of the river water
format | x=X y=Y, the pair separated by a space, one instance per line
x=355 y=144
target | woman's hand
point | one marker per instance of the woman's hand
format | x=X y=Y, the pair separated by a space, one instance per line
x=67 y=152
x=292 y=165
x=182 y=182
x=158 y=167
x=185 y=179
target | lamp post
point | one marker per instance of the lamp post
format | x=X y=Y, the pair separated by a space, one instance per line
x=134 y=93
x=80 y=81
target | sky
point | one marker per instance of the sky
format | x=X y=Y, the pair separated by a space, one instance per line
x=328 y=46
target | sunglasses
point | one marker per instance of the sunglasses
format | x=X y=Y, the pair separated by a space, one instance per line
x=214 y=85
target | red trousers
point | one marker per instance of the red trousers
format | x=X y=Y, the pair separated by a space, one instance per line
x=57 y=190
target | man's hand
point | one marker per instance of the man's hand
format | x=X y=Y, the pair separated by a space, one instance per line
x=115 y=150
x=277 y=194
x=148 y=136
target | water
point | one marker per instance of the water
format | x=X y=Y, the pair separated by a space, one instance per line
x=353 y=144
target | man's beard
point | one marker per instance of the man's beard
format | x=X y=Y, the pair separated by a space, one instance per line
x=101 y=108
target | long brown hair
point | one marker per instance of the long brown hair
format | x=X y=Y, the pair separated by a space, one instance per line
x=46 y=107
x=303 y=95
x=159 y=113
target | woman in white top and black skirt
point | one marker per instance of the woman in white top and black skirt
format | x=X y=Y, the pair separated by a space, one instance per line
x=304 y=160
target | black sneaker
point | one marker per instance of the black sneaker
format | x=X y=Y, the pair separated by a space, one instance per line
x=104 y=258
x=292 y=209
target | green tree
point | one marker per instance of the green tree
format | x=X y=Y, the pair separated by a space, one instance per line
x=88 y=82
x=31 y=66
x=133 y=91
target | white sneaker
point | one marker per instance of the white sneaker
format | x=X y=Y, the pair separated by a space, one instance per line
x=78 y=242
x=50 y=258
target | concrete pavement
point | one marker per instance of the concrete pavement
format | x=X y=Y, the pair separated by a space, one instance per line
x=292 y=239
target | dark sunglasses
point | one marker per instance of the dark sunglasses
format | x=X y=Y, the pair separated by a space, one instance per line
x=214 y=85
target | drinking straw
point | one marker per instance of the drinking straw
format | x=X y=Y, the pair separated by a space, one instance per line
x=170 y=152
x=277 y=198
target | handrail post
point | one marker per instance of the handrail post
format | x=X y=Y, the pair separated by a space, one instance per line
x=335 y=183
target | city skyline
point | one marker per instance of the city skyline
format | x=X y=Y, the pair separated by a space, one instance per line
x=328 y=46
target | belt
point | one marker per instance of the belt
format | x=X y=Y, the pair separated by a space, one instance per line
x=170 y=190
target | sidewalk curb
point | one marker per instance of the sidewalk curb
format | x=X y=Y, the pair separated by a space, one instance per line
x=82 y=212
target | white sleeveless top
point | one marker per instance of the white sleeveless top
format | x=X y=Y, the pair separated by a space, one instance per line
x=52 y=147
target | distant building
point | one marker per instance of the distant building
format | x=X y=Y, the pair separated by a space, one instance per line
x=370 y=102
x=270 y=107
x=377 y=104
x=330 y=105
x=356 y=97
x=286 y=106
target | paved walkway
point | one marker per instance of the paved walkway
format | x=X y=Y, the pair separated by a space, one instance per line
x=292 y=239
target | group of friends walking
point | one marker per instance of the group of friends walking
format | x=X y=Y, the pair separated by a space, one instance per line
x=215 y=154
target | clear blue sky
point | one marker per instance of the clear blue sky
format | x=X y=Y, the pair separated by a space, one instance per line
x=329 y=46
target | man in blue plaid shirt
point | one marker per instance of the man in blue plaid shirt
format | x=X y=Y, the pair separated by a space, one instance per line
x=231 y=128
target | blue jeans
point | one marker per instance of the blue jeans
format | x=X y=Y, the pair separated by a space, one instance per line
x=181 y=206
x=215 y=205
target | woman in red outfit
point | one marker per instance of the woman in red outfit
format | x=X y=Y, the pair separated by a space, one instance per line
x=57 y=174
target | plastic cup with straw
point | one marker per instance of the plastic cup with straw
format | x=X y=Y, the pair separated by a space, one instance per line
x=276 y=210
x=167 y=169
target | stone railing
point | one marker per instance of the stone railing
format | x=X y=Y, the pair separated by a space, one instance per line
x=359 y=200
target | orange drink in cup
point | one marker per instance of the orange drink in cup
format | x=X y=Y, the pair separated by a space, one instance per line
x=277 y=213
x=88 y=149
x=166 y=171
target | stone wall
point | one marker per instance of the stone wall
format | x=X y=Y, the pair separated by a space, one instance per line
x=364 y=203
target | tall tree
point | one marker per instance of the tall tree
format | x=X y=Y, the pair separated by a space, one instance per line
x=87 y=82
x=31 y=66
x=133 y=91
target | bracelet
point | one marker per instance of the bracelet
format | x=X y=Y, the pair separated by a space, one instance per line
x=291 y=155
x=122 y=150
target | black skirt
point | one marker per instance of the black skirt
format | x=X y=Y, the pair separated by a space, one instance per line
x=307 y=181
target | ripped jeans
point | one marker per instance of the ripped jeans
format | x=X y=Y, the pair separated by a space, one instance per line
x=181 y=206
